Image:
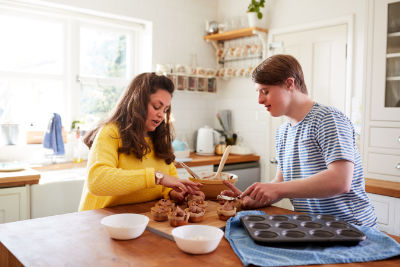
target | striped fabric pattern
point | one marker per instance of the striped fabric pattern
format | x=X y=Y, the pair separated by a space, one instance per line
x=323 y=136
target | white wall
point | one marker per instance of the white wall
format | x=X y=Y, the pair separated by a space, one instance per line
x=250 y=119
x=178 y=29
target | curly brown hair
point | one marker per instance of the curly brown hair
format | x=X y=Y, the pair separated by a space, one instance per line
x=130 y=116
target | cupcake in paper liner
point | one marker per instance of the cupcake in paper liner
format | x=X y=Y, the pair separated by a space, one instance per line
x=178 y=217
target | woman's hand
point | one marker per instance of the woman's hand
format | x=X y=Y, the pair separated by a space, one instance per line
x=177 y=196
x=180 y=185
x=247 y=201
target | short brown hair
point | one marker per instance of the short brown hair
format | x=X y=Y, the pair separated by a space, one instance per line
x=276 y=69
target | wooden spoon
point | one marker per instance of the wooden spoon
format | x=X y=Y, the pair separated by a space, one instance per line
x=222 y=162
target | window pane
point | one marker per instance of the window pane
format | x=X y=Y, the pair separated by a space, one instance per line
x=30 y=45
x=30 y=101
x=103 y=53
x=97 y=101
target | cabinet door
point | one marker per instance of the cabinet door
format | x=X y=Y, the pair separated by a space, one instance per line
x=385 y=210
x=385 y=89
x=14 y=204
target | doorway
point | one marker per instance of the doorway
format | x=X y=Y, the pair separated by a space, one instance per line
x=325 y=57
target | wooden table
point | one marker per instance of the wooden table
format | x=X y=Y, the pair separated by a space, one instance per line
x=78 y=239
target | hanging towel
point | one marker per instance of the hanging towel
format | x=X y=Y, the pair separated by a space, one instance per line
x=53 y=137
x=377 y=246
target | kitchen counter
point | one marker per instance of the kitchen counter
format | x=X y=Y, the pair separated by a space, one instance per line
x=198 y=160
x=78 y=239
x=19 y=178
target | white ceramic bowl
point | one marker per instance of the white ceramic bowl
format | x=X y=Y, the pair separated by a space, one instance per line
x=125 y=225
x=197 y=239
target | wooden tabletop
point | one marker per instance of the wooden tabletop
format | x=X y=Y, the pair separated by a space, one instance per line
x=78 y=239
x=19 y=178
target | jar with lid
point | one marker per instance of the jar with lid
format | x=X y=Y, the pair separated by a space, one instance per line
x=220 y=148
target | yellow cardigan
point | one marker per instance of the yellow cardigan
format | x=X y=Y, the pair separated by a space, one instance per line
x=117 y=178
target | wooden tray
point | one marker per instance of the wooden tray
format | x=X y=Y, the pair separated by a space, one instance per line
x=164 y=229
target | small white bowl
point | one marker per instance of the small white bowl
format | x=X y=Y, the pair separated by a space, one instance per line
x=125 y=226
x=197 y=239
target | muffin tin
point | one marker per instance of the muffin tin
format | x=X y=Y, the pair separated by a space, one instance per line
x=300 y=228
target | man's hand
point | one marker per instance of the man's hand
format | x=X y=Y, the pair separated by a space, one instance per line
x=247 y=202
x=263 y=193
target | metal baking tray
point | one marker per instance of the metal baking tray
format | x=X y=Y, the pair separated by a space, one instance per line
x=300 y=228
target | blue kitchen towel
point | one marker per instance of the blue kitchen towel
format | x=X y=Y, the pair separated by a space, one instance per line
x=53 y=137
x=377 y=246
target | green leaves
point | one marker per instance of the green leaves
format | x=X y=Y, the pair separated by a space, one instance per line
x=255 y=6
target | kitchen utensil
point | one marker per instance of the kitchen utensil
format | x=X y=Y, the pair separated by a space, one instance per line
x=197 y=239
x=222 y=162
x=125 y=226
x=289 y=228
x=212 y=188
x=189 y=170
x=207 y=138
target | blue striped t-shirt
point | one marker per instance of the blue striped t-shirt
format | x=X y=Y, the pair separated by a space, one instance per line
x=323 y=136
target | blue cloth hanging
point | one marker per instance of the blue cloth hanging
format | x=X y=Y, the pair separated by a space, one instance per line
x=377 y=246
x=53 y=137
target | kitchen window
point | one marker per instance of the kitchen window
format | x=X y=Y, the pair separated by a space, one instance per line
x=66 y=62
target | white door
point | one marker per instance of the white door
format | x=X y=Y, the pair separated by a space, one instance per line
x=322 y=55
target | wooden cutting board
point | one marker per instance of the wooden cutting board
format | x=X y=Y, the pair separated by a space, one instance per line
x=164 y=228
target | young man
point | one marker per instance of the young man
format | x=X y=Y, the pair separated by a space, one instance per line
x=319 y=166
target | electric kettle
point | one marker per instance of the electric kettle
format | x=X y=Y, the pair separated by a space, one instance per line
x=207 y=138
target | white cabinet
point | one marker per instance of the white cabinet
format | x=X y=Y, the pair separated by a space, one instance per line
x=14 y=204
x=183 y=174
x=381 y=150
x=387 y=210
x=386 y=61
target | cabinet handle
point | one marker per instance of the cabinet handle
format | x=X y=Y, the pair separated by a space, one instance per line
x=274 y=161
x=398 y=139
x=398 y=166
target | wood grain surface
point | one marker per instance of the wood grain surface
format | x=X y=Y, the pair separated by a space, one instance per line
x=198 y=160
x=19 y=178
x=164 y=229
x=381 y=187
x=78 y=239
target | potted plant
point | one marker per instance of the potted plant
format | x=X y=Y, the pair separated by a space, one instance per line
x=254 y=12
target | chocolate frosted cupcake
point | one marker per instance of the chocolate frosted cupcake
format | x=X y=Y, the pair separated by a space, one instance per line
x=226 y=211
x=237 y=202
x=178 y=217
x=160 y=213
x=165 y=203
x=196 y=213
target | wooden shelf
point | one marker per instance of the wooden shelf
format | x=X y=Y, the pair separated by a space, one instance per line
x=245 y=32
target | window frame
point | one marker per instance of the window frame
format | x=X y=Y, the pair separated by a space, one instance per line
x=72 y=20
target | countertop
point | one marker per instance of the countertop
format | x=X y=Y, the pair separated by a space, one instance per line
x=32 y=176
x=78 y=239
x=19 y=178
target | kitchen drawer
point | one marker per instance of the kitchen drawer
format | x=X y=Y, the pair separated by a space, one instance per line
x=384 y=164
x=386 y=212
x=385 y=137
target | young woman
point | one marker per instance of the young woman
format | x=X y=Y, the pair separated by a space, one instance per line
x=131 y=157
x=319 y=166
